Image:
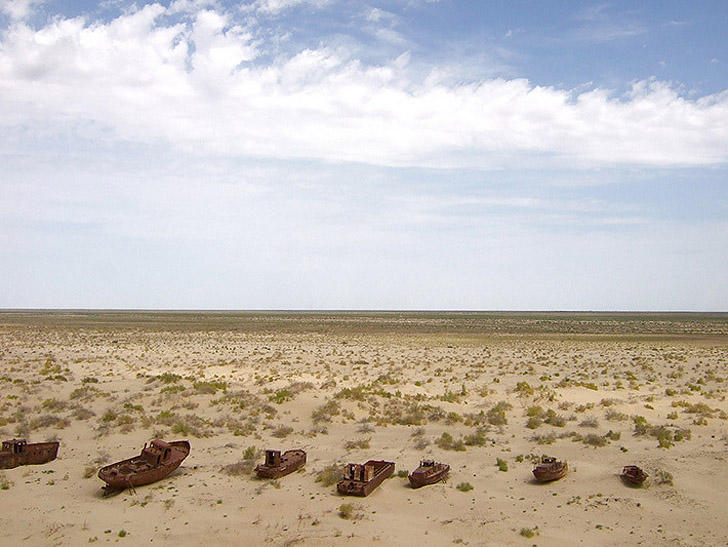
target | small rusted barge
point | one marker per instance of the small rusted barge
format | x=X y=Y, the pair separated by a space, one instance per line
x=279 y=465
x=632 y=474
x=429 y=472
x=550 y=469
x=361 y=480
x=16 y=452
x=156 y=461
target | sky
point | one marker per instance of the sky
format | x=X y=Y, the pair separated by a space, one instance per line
x=338 y=154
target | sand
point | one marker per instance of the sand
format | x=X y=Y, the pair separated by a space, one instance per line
x=353 y=387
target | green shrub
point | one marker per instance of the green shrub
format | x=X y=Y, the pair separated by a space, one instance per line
x=331 y=474
x=346 y=510
x=464 y=487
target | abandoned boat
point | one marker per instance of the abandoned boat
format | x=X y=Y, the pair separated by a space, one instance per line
x=277 y=465
x=361 y=480
x=155 y=462
x=17 y=452
x=550 y=469
x=429 y=472
x=633 y=475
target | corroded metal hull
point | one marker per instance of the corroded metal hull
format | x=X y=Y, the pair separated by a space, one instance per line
x=28 y=454
x=153 y=464
x=284 y=464
x=550 y=470
x=428 y=473
x=361 y=480
x=633 y=475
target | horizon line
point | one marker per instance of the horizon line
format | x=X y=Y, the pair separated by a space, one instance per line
x=356 y=310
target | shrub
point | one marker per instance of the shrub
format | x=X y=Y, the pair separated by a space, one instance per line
x=282 y=431
x=616 y=416
x=592 y=439
x=361 y=444
x=476 y=439
x=464 y=487
x=544 y=439
x=331 y=474
x=502 y=464
x=554 y=419
x=446 y=442
x=663 y=477
x=281 y=396
x=326 y=412
x=497 y=414
x=346 y=510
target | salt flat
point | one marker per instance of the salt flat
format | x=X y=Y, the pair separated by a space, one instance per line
x=599 y=390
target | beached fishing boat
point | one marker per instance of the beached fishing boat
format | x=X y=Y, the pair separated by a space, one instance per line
x=633 y=475
x=550 y=469
x=16 y=452
x=361 y=480
x=156 y=461
x=429 y=472
x=277 y=465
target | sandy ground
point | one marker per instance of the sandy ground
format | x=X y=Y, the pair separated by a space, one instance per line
x=363 y=387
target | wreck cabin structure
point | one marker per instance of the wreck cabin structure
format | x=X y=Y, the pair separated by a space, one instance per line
x=361 y=480
x=16 y=452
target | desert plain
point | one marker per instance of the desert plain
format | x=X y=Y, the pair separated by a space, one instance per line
x=487 y=393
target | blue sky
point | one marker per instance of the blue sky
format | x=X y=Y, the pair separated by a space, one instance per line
x=335 y=154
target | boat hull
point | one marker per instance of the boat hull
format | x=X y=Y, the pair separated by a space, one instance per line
x=136 y=472
x=549 y=473
x=32 y=454
x=291 y=461
x=423 y=476
x=361 y=488
x=633 y=475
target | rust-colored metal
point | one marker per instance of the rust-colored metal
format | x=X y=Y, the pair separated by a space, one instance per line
x=633 y=475
x=17 y=452
x=361 y=480
x=550 y=469
x=429 y=472
x=279 y=465
x=155 y=462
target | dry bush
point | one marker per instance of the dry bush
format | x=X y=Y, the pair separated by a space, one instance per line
x=331 y=474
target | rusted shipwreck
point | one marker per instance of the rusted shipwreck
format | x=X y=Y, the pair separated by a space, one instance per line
x=16 y=452
x=361 y=480
x=429 y=472
x=278 y=465
x=156 y=461
x=550 y=469
x=632 y=474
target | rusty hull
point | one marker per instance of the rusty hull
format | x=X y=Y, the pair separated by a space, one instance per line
x=550 y=469
x=155 y=462
x=279 y=465
x=16 y=452
x=429 y=472
x=633 y=475
x=361 y=480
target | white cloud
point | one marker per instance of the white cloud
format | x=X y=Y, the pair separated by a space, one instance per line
x=202 y=84
x=274 y=7
x=19 y=9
